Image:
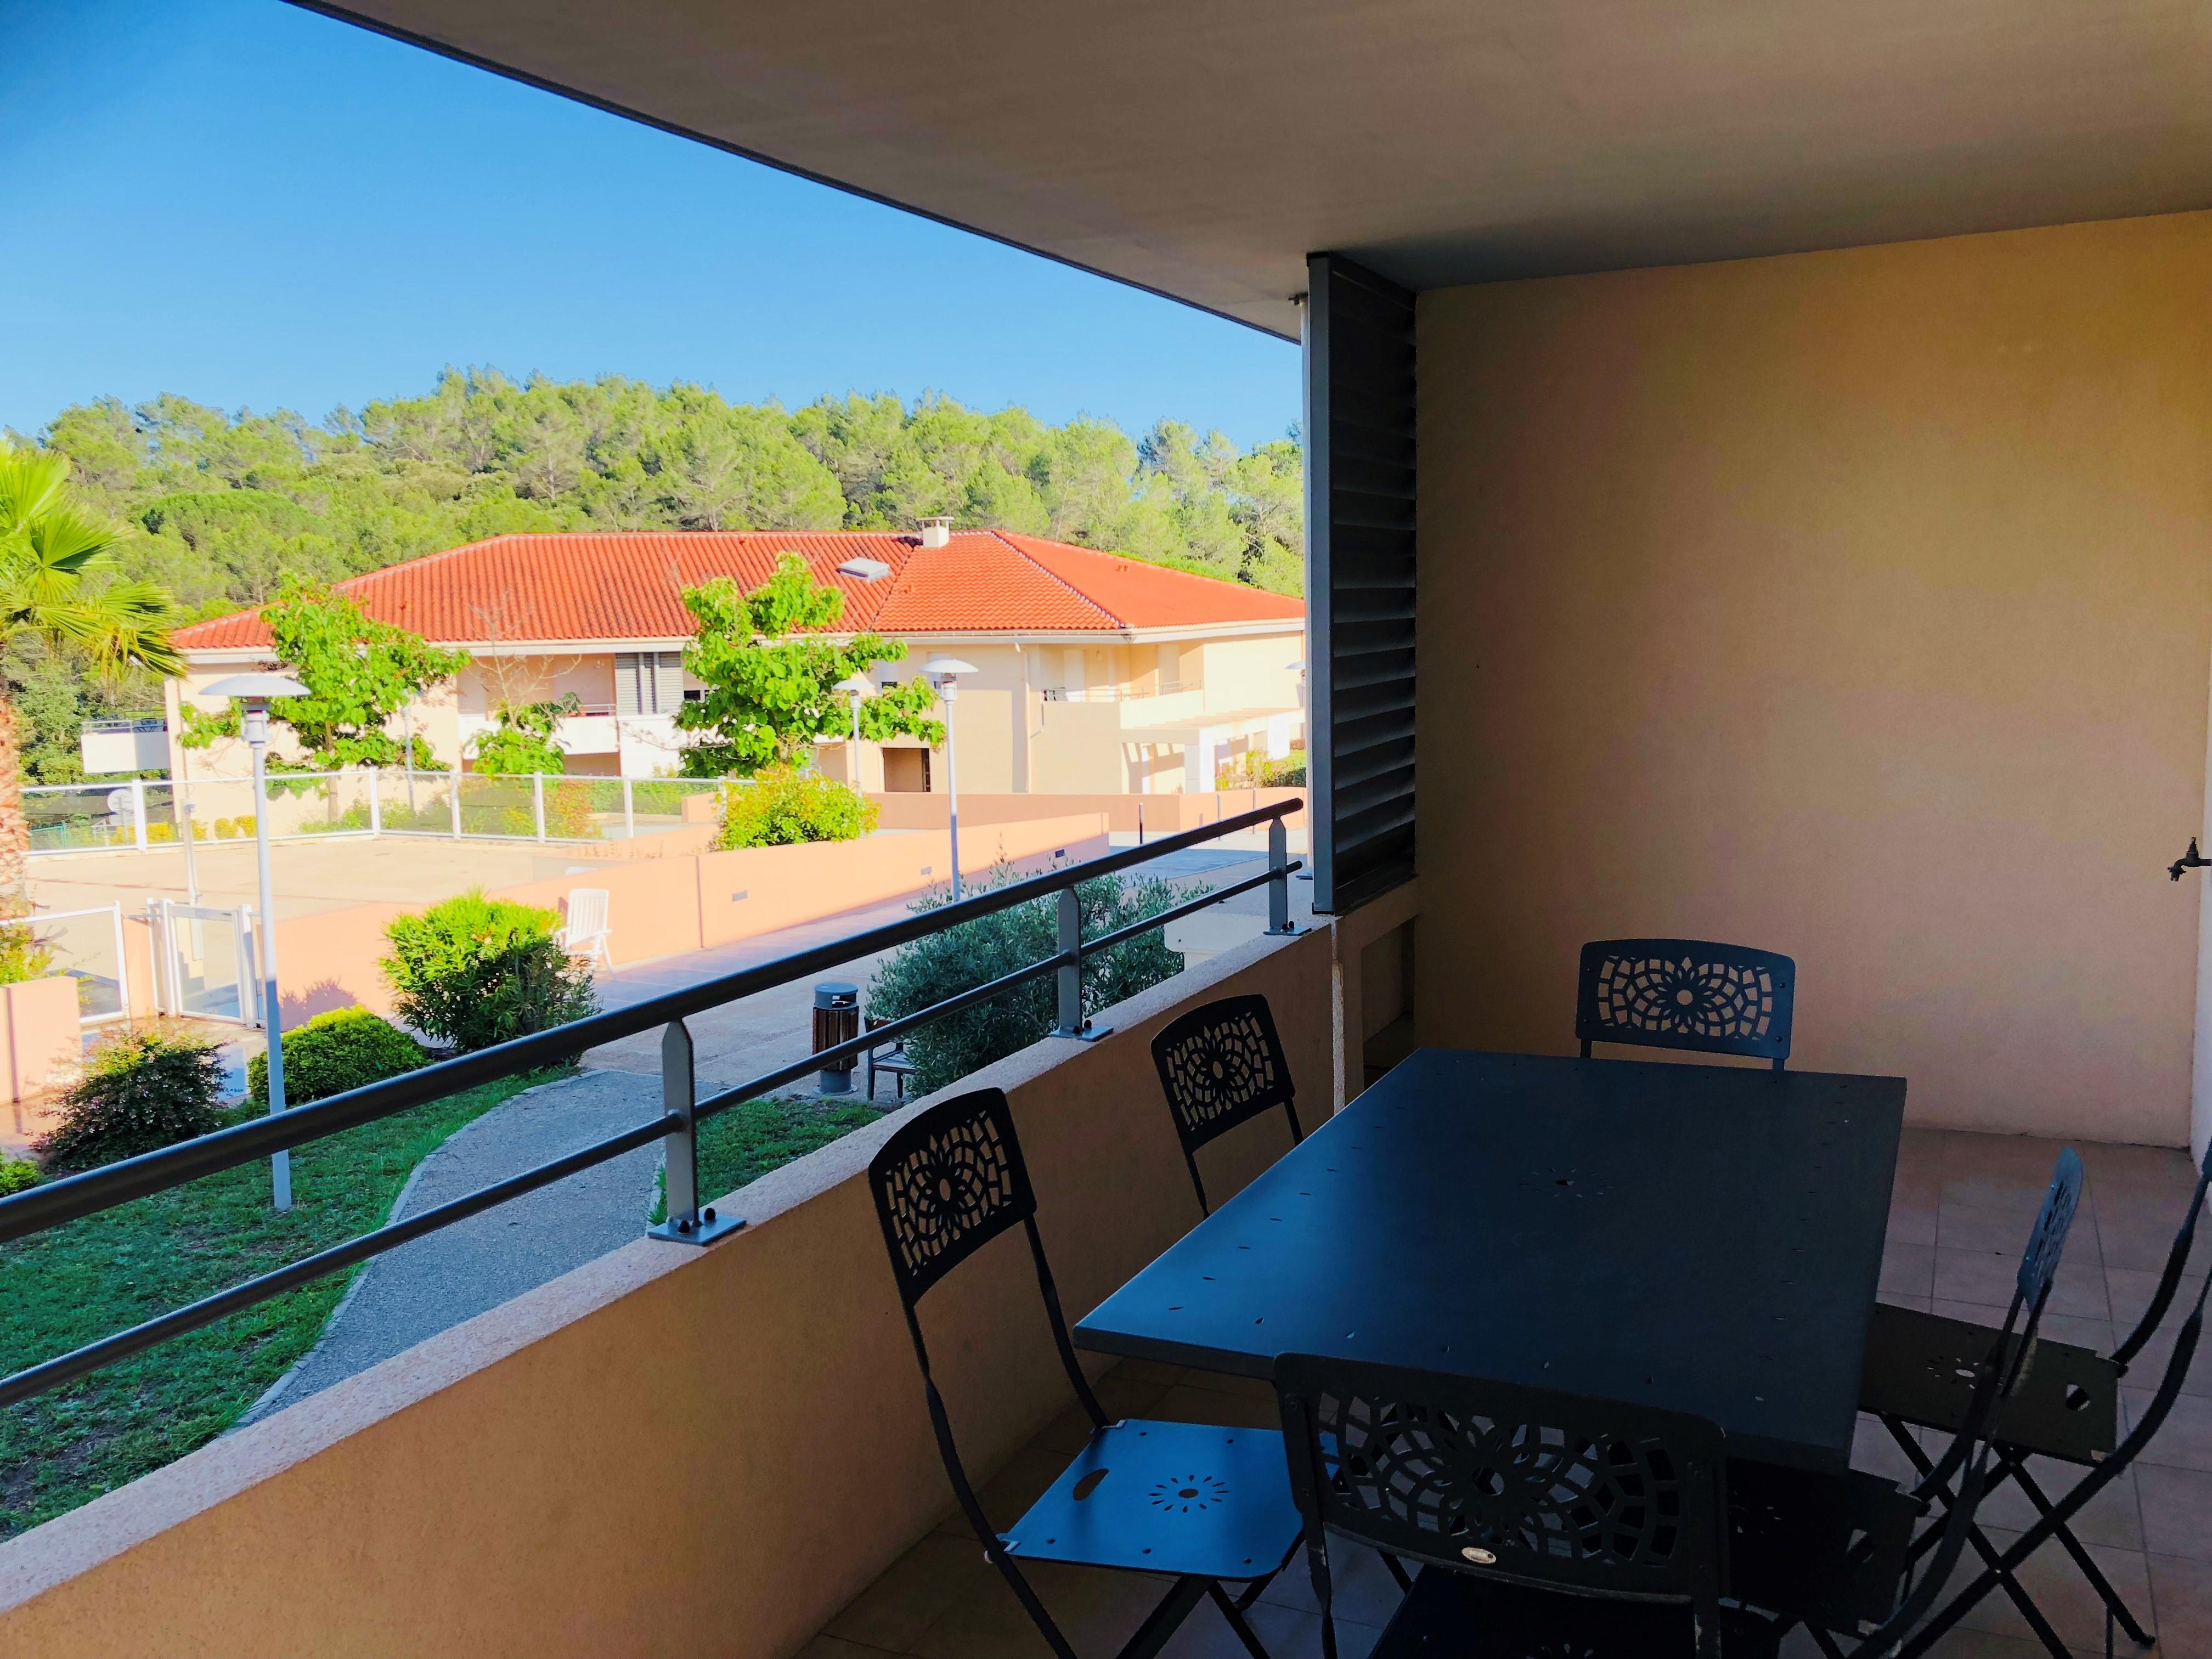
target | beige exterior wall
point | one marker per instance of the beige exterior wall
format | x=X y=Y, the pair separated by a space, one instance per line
x=1854 y=604
x=669 y=1451
x=1252 y=673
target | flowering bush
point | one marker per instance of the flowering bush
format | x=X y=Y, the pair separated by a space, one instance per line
x=781 y=806
x=144 y=1089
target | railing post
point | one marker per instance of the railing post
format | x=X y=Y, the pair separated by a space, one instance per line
x=629 y=810
x=138 y=812
x=456 y=800
x=687 y=1224
x=1279 y=882
x=538 y=802
x=1072 y=1022
x=121 y=963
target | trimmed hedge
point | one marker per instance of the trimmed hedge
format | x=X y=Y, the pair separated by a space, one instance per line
x=474 y=971
x=345 y=1048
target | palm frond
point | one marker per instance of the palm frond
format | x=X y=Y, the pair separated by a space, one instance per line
x=68 y=541
x=31 y=484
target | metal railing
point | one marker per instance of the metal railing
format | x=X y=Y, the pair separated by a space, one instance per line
x=57 y=1203
x=155 y=814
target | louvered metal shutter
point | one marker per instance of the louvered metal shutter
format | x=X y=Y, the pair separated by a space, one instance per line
x=649 y=682
x=667 y=682
x=1360 y=580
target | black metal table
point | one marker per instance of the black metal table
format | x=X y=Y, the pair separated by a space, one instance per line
x=1700 y=1237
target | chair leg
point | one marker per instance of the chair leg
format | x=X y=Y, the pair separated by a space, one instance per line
x=1980 y=1541
x=1397 y=1571
x=1235 y=1615
x=2116 y=1606
x=1161 y=1623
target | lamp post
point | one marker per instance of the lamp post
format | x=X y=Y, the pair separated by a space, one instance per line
x=856 y=686
x=254 y=691
x=946 y=672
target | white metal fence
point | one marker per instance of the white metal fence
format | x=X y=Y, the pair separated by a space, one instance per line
x=148 y=813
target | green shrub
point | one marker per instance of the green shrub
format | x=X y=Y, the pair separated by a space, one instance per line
x=1253 y=770
x=17 y=1174
x=474 y=971
x=943 y=964
x=782 y=806
x=143 y=1091
x=23 y=955
x=345 y=1048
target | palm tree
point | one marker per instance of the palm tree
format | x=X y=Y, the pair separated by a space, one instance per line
x=52 y=555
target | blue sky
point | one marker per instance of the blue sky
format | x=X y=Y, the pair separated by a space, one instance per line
x=250 y=205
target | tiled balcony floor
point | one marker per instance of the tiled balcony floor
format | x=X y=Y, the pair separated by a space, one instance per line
x=1962 y=1209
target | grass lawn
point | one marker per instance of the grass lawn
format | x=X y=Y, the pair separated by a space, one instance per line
x=747 y=1141
x=109 y=1271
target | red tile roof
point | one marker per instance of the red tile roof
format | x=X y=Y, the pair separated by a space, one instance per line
x=628 y=585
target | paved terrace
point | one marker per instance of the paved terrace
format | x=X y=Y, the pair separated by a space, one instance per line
x=1960 y=1215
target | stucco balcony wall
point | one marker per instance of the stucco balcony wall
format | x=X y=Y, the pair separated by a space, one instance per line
x=670 y=1451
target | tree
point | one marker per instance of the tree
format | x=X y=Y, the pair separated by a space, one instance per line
x=522 y=742
x=54 y=559
x=771 y=672
x=359 y=673
x=480 y=454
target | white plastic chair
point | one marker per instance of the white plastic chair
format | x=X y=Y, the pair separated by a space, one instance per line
x=587 y=932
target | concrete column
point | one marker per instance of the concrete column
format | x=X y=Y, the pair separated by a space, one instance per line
x=1197 y=763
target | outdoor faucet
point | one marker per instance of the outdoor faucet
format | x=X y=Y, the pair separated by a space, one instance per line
x=2192 y=860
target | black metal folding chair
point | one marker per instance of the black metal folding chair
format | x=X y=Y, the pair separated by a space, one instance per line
x=2053 y=1521
x=2067 y=1409
x=1685 y=993
x=1221 y=1065
x=1509 y=1495
x=1990 y=1379
x=1201 y=1504
x=1919 y=1372
x=1827 y=1550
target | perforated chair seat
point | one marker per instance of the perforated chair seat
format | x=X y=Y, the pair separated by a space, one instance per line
x=1919 y=1370
x=1452 y=1615
x=1818 y=1549
x=1168 y=1498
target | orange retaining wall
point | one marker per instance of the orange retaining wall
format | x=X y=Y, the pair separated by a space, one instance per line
x=663 y=907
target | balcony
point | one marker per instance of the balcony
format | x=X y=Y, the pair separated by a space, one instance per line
x=724 y=1450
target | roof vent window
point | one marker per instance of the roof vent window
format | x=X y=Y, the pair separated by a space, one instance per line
x=867 y=570
x=935 y=532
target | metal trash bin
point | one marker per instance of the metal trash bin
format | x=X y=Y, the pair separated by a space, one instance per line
x=836 y=1019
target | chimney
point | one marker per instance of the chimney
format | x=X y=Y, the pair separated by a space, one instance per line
x=935 y=532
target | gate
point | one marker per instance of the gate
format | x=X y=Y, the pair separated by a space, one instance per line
x=203 y=962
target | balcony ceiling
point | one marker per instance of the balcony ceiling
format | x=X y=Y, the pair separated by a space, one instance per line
x=1202 y=150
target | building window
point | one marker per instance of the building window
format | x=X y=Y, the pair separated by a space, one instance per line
x=649 y=682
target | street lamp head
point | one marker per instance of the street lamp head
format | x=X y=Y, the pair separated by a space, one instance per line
x=858 y=684
x=946 y=672
x=255 y=688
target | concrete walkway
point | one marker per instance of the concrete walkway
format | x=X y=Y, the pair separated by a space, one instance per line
x=434 y=1282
